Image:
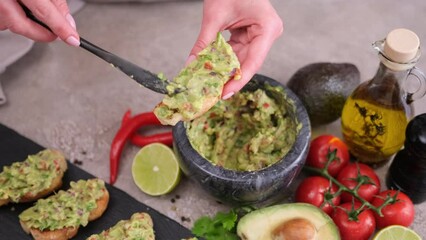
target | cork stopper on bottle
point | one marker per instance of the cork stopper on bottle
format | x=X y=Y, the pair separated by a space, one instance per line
x=401 y=45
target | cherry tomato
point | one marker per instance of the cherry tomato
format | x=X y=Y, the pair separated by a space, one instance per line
x=326 y=146
x=352 y=227
x=398 y=212
x=315 y=190
x=349 y=177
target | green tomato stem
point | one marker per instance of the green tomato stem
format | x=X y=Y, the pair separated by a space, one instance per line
x=354 y=192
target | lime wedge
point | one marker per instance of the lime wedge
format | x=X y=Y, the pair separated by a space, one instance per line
x=155 y=169
x=396 y=232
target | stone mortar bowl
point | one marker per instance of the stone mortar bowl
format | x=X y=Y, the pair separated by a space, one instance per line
x=262 y=187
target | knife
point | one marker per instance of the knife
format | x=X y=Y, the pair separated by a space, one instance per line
x=140 y=75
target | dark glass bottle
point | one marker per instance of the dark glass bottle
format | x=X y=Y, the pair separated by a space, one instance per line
x=407 y=172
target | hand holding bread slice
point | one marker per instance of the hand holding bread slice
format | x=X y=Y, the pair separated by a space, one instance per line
x=37 y=176
x=60 y=216
x=202 y=83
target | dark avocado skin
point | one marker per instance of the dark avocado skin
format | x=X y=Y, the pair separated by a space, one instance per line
x=323 y=88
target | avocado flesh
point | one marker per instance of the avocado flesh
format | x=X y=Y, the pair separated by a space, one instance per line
x=260 y=223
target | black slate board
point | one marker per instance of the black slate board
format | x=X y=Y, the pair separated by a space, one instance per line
x=15 y=147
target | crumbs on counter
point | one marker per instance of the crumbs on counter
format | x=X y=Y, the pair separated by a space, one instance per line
x=78 y=162
x=185 y=219
x=173 y=200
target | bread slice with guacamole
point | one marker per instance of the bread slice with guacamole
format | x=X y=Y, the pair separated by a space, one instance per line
x=60 y=216
x=201 y=83
x=139 y=226
x=37 y=176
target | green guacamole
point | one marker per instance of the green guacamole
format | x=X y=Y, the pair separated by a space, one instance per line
x=248 y=132
x=69 y=208
x=31 y=176
x=202 y=82
x=140 y=226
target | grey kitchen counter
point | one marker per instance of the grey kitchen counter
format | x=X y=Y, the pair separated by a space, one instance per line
x=64 y=97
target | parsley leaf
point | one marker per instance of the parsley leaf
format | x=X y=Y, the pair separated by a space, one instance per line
x=220 y=227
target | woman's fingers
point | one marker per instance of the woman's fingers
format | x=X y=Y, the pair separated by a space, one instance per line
x=12 y=17
x=54 y=13
x=212 y=23
x=254 y=26
x=251 y=55
x=251 y=60
x=206 y=36
x=62 y=6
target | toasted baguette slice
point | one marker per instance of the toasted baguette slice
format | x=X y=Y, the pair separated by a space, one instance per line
x=59 y=234
x=101 y=206
x=39 y=175
x=201 y=83
x=139 y=226
x=61 y=215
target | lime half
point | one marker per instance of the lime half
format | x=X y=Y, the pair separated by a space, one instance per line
x=155 y=169
x=396 y=232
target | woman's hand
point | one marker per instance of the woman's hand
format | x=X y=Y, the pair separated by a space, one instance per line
x=54 y=13
x=254 y=26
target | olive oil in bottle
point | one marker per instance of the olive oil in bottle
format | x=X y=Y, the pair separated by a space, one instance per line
x=376 y=114
x=374 y=131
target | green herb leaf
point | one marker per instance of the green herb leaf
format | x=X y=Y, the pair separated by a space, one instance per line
x=220 y=227
x=203 y=226
x=227 y=220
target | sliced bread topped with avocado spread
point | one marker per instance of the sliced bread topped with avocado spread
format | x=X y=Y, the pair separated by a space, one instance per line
x=139 y=226
x=37 y=176
x=60 y=216
x=202 y=82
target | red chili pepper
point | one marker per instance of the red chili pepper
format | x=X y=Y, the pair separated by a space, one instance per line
x=129 y=126
x=141 y=140
x=126 y=117
x=164 y=138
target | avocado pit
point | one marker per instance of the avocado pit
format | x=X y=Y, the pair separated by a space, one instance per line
x=295 y=229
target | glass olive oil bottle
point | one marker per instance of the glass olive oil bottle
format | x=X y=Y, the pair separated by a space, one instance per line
x=376 y=114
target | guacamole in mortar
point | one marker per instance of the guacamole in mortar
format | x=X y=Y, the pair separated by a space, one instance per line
x=248 y=132
x=202 y=83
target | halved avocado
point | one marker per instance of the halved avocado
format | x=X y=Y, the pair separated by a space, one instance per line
x=286 y=220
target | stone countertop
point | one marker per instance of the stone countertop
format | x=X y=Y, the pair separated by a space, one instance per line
x=66 y=98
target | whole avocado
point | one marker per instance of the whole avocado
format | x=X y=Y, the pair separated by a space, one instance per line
x=323 y=88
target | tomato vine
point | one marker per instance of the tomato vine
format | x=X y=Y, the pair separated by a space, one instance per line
x=360 y=179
